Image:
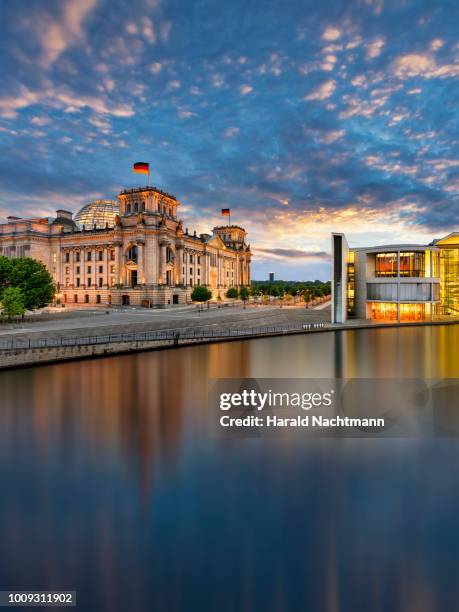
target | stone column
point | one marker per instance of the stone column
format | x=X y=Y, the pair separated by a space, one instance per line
x=108 y=265
x=163 y=263
x=178 y=264
x=140 y=266
x=72 y=268
x=83 y=264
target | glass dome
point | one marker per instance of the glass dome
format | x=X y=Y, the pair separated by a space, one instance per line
x=99 y=213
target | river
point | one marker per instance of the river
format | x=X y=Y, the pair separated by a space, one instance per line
x=111 y=485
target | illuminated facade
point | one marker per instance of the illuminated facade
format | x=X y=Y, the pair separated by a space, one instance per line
x=144 y=258
x=397 y=282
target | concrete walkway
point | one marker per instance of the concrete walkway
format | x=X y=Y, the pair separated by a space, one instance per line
x=127 y=320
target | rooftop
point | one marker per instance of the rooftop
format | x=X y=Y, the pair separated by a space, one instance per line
x=145 y=188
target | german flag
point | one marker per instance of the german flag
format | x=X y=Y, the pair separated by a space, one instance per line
x=226 y=212
x=141 y=167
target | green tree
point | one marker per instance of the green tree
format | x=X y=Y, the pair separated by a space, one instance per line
x=232 y=293
x=5 y=272
x=34 y=280
x=201 y=294
x=12 y=302
x=255 y=290
x=244 y=294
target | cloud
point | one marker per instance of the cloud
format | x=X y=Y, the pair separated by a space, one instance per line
x=293 y=253
x=322 y=92
x=423 y=65
x=374 y=48
x=56 y=35
x=245 y=89
x=231 y=132
x=331 y=34
x=148 y=30
x=155 y=67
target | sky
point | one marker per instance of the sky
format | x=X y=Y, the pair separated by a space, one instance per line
x=301 y=117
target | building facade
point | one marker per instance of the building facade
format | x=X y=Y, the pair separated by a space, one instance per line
x=145 y=258
x=401 y=282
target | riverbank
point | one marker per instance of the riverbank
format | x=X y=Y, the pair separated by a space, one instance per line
x=23 y=352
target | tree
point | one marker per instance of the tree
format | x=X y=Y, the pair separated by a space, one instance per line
x=244 y=294
x=12 y=302
x=232 y=293
x=32 y=277
x=201 y=294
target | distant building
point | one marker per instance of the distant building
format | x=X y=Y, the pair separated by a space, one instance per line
x=271 y=277
x=133 y=251
x=401 y=282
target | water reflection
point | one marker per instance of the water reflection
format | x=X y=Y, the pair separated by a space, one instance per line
x=111 y=485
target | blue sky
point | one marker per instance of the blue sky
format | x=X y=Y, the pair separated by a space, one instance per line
x=302 y=117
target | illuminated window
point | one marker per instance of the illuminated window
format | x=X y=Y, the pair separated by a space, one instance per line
x=386 y=264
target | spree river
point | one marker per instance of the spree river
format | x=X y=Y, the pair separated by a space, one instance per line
x=112 y=487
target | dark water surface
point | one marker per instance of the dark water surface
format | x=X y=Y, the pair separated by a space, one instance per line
x=111 y=486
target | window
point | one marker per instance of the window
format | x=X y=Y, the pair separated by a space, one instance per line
x=386 y=264
x=128 y=209
x=67 y=282
x=132 y=254
x=112 y=281
x=67 y=270
x=101 y=281
x=199 y=259
x=112 y=269
x=191 y=271
x=415 y=292
x=101 y=269
x=143 y=206
x=67 y=257
x=412 y=264
x=78 y=269
x=77 y=256
x=88 y=284
x=97 y=299
x=136 y=207
x=89 y=270
x=112 y=254
x=101 y=255
x=88 y=256
x=191 y=258
x=75 y=298
x=382 y=291
x=86 y=299
x=78 y=281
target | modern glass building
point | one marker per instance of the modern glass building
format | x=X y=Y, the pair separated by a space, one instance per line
x=97 y=215
x=401 y=282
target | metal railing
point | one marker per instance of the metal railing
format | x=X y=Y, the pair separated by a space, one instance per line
x=173 y=335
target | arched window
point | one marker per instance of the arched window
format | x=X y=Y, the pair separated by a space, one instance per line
x=169 y=255
x=132 y=254
x=143 y=207
x=128 y=209
x=136 y=207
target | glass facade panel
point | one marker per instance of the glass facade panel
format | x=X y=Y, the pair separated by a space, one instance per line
x=384 y=311
x=416 y=292
x=386 y=264
x=351 y=284
x=380 y=291
x=412 y=264
x=449 y=281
